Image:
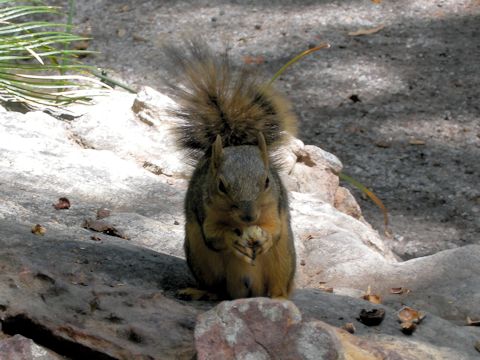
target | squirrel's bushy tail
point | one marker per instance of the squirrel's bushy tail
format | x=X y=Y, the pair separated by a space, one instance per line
x=215 y=98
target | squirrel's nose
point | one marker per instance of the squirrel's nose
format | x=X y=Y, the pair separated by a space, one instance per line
x=248 y=218
x=248 y=213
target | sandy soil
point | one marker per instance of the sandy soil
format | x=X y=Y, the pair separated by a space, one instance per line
x=400 y=107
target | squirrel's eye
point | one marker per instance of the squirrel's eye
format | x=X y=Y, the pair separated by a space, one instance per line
x=267 y=182
x=221 y=187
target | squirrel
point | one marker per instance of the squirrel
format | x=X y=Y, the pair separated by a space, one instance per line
x=238 y=238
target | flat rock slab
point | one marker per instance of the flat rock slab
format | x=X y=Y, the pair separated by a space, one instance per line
x=94 y=298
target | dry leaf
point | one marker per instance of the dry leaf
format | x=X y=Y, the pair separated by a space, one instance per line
x=473 y=322
x=121 y=32
x=376 y=1
x=408 y=327
x=257 y=60
x=409 y=318
x=407 y=314
x=373 y=298
x=39 y=230
x=62 y=203
x=103 y=227
x=349 y=327
x=416 y=142
x=323 y=286
x=370 y=31
x=138 y=38
x=399 y=290
x=355 y=98
x=371 y=317
x=383 y=144
x=308 y=237
x=81 y=45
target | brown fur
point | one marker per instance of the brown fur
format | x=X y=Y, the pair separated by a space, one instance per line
x=216 y=98
x=238 y=240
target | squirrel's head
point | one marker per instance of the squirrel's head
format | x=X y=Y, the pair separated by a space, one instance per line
x=243 y=181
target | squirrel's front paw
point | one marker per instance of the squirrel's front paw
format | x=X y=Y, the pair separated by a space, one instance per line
x=238 y=244
x=250 y=243
x=258 y=239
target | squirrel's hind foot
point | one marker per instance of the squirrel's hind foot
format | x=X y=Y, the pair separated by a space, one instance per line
x=196 y=294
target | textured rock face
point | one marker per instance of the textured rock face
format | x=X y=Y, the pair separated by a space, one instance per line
x=89 y=298
x=111 y=294
x=440 y=336
x=274 y=329
x=21 y=348
x=260 y=329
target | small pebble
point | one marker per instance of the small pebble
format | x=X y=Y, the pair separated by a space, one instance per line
x=121 y=32
x=349 y=327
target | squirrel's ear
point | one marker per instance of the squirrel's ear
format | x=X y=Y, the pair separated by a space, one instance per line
x=262 y=145
x=217 y=153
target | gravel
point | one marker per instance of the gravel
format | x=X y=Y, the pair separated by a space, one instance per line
x=400 y=107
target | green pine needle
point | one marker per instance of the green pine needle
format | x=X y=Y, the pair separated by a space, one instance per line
x=38 y=66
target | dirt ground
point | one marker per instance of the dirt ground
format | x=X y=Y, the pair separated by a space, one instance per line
x=400 y=107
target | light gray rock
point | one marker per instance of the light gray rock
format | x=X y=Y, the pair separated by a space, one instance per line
x=135 y=128
x=346 y=203
x=144 y=230
x=41 y=162
x=19 y=347
x=309 y=169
